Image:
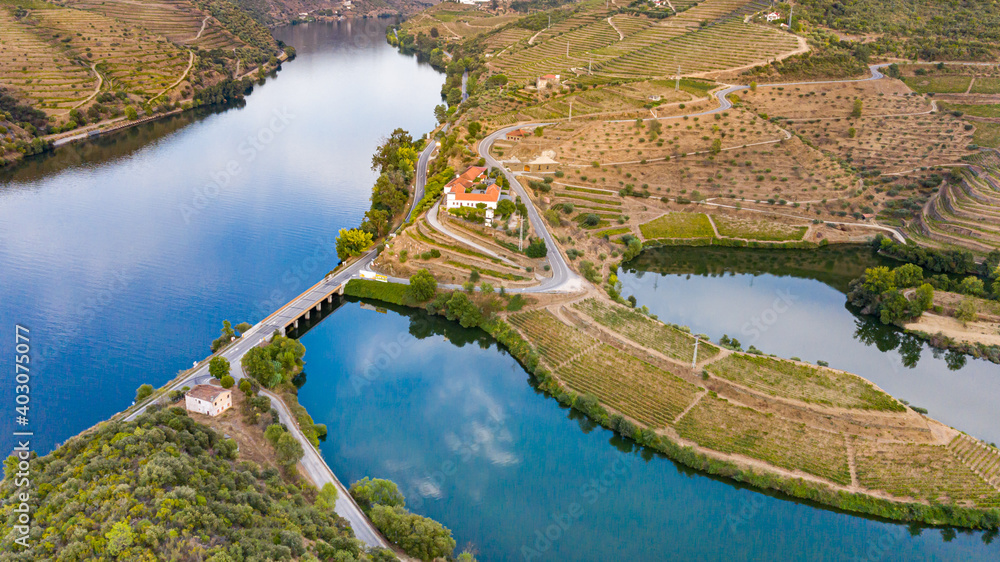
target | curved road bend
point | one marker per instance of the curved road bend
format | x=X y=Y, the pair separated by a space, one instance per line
x=563 y=279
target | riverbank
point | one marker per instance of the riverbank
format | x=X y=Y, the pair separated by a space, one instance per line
x=710 y=389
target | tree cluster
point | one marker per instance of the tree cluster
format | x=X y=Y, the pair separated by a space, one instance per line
x=166 y=488
x=420 y=537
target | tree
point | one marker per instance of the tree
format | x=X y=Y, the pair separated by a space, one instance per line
x=716 y=146
x=879 y=279
x=418 y=536
x=972 y=286
x=352 y=242
x=258 y=364
x=852 y=132
x=536 y=249
x=376 y=222
x=143 y=392
x=327 y=498
x=423 y=286
x=243 y=327
x=966 y=311
x=246 y=387
x=218 y=367
x=376 y=491
x=858 y=106
x=892 y=71
x=227 y=336
x=120 y=537
x=753 y=86
x=274 y=432
x=288 y=450
x=895 y=307
x=591 y=219
x=227 y=381
x=908 y=275
x=506 y=208
x=924 y=298
x=475 y=127
x=441 y=113
x=434 y=32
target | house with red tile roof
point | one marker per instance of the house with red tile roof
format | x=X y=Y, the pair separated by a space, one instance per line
x=467 y=190
x=515 y=135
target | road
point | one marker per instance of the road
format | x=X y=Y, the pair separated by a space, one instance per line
x=421 y=180
x=563 y=278
x=316 y=468
x=319 y=472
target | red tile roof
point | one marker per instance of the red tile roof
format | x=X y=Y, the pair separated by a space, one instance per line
x=206 y=392
x=492 y=195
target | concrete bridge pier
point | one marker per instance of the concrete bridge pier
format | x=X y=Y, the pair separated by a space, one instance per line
x=307 y=314
x=329 y=299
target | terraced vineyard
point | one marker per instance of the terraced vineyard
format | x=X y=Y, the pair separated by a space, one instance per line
x=709 y=37
x=967 y=213
x=921 y=471
x=981 y=458
x=757 y=229
x=55 y=81
x=177 y=20
x=716 y=424
x=678 y=225
x=556 y=342
x=130 y=58
x=728 y=45
x=796 y=381
x=645 y=331
x=637 y=389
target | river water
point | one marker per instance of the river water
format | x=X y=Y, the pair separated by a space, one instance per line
x=124 y=256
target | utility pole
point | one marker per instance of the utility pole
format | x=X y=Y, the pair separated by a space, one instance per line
x=520 y=237
x=791 y=10
x=694 y=360
x=550 y=22
x=567 y=49
x=677 y=84
x=590 y=63
x=570 y=111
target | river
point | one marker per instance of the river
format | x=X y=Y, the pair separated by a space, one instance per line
x=124 y=255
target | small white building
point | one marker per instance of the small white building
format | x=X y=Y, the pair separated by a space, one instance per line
x=543 y=164
x=772 y=16
x=543 y=81
x=207 y=399
x=470 y=189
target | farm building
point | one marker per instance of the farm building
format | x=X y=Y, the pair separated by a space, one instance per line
x=468 y=190
x=542 y=164
x=543 y=81
x=208 y=399
x=515 y=135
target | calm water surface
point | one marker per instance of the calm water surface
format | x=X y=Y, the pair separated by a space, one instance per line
x=792 y=304
x=457 y=424
x=124 y=256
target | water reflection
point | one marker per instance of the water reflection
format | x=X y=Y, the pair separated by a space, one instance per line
x=792 y=303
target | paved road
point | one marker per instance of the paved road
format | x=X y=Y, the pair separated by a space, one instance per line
x=563 y=278
x=313 y=462
x=319 y=472
x=433 y=221
x=421 y=180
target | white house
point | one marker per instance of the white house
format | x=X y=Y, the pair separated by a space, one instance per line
x=208 y=399
x=545 y=80
x=772 y=16
x=463 y=192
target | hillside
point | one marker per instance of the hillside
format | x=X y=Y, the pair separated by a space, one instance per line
x=167 y=487
x=82 y=61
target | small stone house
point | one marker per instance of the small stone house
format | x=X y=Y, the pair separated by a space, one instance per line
x=542 y=164
x=207 y=399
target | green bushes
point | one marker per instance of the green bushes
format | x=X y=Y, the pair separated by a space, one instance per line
x=368 y=289
x=165 y=484
x=420 y=537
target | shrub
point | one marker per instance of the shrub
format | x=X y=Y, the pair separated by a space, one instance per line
x=143 y=392
x=227 y=381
